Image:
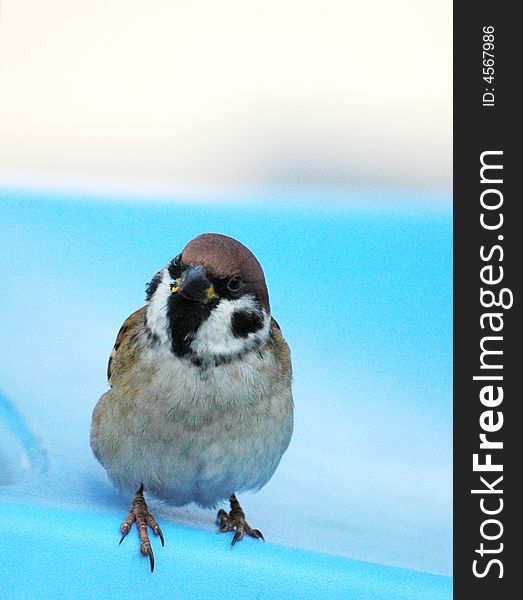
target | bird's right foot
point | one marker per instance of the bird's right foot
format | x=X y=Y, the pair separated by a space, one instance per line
x=140 y=514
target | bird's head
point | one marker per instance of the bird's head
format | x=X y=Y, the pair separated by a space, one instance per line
x=210 y=303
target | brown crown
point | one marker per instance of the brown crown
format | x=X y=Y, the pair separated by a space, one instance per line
x=223 y=257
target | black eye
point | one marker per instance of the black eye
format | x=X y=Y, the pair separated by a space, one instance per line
x=234 y=284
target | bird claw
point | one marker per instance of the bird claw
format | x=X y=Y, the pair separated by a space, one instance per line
x=139 y=514
x=222 y=520
x=235 y=521
x=157 y=531
x=150 y=554
x=124 y=534
x=238 y=536
x=221 y=515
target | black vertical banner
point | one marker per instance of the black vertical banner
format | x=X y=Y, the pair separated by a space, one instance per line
x=488 y=267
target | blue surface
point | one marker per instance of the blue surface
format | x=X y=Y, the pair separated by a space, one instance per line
x=73 y=555
x=364 y=299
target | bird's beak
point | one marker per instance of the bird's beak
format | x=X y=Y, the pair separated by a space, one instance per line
x=194 y=285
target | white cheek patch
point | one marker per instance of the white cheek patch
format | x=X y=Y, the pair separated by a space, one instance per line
x=215 y=335
x=157 y=310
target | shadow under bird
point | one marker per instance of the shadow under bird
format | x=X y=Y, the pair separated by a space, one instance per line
x=200 y=406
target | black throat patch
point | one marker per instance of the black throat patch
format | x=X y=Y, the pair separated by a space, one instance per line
x=185 y=317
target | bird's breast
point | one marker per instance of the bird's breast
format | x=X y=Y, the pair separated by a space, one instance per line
x=199 y=434
x=189 y=393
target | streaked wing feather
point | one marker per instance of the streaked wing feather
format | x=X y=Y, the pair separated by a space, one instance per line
x=124 y=338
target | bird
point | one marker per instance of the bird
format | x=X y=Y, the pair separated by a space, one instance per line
x=200 y=404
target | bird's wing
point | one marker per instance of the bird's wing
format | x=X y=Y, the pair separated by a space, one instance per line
x=124 y=350
x=281 y=350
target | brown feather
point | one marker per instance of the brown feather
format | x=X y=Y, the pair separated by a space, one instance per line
x=123 y=354
x=224 y=257
x=281 y=350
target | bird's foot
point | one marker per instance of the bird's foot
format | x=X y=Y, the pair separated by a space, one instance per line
x=234 y=520
x=140 y=514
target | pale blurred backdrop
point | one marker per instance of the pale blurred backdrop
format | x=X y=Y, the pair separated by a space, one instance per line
x=234 y=114
x=211 y=99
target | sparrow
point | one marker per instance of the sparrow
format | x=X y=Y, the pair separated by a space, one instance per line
x=200 y=404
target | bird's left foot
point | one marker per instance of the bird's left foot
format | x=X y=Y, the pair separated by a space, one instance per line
x=234 y=520
x=140 y=513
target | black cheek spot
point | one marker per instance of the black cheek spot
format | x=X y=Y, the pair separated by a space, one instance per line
x=245 y=322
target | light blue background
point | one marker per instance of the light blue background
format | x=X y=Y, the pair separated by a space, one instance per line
x=363 y=296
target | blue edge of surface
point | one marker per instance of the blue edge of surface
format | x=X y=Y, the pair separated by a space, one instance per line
x=64 y=553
